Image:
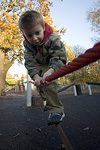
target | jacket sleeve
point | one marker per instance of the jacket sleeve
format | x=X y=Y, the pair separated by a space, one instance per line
x=30 y=62
x=57 y=52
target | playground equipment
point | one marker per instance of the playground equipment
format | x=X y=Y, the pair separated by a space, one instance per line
x=89 y=87
x=64 y=138
x=29 y=92
x=19 y=86
x=91 y=55
x=77 y=88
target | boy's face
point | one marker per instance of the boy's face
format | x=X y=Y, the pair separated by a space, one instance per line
x=35 y=34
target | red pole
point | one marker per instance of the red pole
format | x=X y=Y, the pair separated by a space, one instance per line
x=91 y=55
x=64 y=138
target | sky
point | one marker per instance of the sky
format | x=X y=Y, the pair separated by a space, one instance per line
x=72 y=15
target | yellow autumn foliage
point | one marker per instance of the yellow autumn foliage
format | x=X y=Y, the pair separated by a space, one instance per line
x=10 y=35
x=9 y=31
x=69 y=52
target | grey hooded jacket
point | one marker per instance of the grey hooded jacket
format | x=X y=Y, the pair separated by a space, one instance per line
x=51 y=52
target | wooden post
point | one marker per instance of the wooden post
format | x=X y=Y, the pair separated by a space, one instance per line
x=89 y=89
x=29 y=92
x=75 y=92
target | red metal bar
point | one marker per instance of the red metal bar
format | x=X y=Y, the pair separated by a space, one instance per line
x=64 y=138
x=91 y=55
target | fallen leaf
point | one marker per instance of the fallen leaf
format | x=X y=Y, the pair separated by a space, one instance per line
x=39 y=129
x=16 y=135
x=85 y=129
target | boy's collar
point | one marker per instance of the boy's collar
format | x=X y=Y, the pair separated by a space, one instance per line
x=26 y=39
x=48 y=31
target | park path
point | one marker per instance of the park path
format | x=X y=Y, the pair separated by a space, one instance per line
x=25 y=128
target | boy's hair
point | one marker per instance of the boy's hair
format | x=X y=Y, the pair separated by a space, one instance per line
x=30 y=19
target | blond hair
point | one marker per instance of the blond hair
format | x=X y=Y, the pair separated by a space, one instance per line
x=30 y=19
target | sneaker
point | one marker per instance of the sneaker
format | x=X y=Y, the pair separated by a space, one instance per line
x=45 y=108
x=55 y=118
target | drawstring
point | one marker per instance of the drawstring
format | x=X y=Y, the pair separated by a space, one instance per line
x=38 y=51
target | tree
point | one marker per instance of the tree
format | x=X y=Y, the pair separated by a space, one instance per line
x=88 y=73
x=16 y=76
x=94 y=72
x=8 y=76
x=10 y=39
x=70 y=56
x=78 y=50
x=93 y=16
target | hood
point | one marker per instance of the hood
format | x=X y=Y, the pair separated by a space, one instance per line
x=48 y=31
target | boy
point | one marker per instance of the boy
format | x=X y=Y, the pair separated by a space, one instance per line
x=44 y=54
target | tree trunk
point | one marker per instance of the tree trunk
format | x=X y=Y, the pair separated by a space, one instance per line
x=3 y=72
x=2 y=83
x=5 y=64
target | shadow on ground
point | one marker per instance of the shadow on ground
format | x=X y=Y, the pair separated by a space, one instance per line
x=25 y=128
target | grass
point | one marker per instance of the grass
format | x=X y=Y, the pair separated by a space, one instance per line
x=11 y=81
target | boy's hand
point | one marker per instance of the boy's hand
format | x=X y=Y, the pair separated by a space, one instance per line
x=49 y=72
x=37 y=79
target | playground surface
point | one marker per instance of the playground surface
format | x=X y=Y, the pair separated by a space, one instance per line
x=25 y=128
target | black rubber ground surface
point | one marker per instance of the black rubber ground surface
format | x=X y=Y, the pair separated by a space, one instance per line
x=25 y=128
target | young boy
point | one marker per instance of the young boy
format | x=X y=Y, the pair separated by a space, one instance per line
x=44 y=54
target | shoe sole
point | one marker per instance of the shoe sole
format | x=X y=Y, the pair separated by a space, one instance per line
x=52 y=123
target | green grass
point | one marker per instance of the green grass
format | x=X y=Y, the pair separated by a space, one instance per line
x=11 y=81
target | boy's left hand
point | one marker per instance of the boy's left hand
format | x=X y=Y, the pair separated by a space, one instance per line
x=49 y=72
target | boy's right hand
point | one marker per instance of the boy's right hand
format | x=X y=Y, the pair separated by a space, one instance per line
x=37 y=79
